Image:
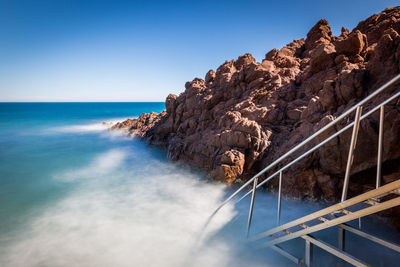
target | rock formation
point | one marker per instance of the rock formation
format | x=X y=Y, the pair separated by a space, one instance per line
x=246 y=114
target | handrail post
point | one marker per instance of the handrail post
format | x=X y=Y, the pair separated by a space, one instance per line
x=351 y=152
x=279 y=198
x=380 y=144
x=308 y=254
x=341 y=238
x=251 y=206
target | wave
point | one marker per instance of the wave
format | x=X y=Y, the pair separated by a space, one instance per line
x=102 y=165
x=124 y=215
x=96 y=127
x=127 y=208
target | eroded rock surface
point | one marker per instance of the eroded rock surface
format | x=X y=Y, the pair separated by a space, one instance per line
x=246 y=114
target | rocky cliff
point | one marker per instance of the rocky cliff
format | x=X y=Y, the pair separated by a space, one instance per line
x=244 y=115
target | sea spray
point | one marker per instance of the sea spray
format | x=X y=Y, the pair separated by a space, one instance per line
x=112 y=212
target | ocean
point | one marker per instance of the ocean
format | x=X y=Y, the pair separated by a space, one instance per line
x=73 y=193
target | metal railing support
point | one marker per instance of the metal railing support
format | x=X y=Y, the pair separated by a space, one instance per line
x=380 y=241
x=334 y=251
x=379 y=192
x=253 y=195
x=287 y=254
x=351 y=152
x=342 y=219
x=341 y=239
x=278 y=219
x=380 y=144
x=309 y=254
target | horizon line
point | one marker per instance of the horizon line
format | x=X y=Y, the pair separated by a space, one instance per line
x=82 y=102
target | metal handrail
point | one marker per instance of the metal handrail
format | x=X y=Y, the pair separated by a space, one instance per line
x=297 y=147
x=339 y=206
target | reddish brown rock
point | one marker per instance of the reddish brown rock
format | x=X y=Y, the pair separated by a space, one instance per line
x=210 y=76
x=232 y=164
x=352 y=44
x=375 y=25
x=140 y=126
x=321 y=32
x=322 y=57
x=246 y=114
x=170 y=103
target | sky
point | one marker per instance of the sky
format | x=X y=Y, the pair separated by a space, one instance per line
x=60 y=50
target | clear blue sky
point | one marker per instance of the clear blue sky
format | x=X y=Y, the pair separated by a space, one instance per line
x=142 y=50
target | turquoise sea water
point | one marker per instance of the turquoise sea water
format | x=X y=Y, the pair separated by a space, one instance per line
x=74 y=194
x=39 y=139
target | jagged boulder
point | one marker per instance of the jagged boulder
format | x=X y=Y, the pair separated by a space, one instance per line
x=320 y=33
x=351 y=45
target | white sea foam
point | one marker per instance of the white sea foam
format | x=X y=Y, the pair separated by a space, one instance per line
x=126 y=213
x=150 y=216
x=102 y=165
x=96 y=127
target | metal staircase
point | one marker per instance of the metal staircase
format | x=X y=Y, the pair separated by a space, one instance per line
x=300 y=227
x=373 y=201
